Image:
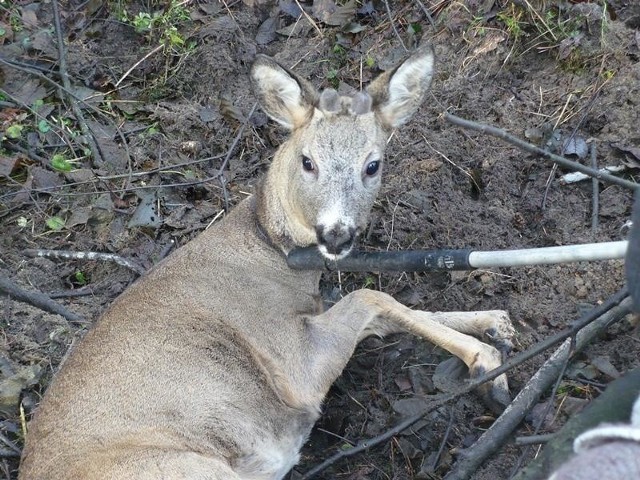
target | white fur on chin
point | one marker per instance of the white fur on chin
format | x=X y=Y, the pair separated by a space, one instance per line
x=333 y=256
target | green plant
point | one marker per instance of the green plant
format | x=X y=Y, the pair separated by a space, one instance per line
x=160 y=25
x=62 y=164
x=55 y=223
x=80 y=278
x=332 y=77
x=512 y=20
x=369 y=61
x=14 y=131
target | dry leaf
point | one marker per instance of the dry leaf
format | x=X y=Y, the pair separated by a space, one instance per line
x=490 y=43
x=267 y=31
x=230 y=111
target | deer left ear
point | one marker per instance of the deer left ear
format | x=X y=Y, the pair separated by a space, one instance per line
x=285 y=97
x=397 y=94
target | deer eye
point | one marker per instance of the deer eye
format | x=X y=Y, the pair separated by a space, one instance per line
x=372 y=168
x=307 y=164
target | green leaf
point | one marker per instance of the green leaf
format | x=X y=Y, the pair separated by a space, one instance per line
x=55 y=223
x=60 y=163
x=80 y=278
x=14 y=131
x=43 y=126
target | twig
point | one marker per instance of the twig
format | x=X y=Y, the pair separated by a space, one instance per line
x=71 y=255
x=225 y=162
x=309 y=19
x=444 y=441
x=535 y=439
x=563 y=364
x=62 y=68
x=554 y=168
x=38 y=300
x=595 y=197
x=527 y=147
x=426 y=12
x=8 y=453
x=441 y=399
x=393 y=25
x=79 y=292
x=135 y=65
x=497 y=434
x=10 y=444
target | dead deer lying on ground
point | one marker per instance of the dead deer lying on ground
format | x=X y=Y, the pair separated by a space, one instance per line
x=216 y=363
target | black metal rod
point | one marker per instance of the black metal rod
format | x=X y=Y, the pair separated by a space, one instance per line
x=402 y=261
x=310 y=258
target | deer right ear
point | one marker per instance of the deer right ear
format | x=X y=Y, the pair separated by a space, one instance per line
x=285 y=97
x=398 y=93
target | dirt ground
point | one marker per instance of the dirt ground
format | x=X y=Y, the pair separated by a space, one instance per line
x=168 y=96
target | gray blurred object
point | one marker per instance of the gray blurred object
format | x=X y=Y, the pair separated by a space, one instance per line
x=608 y=447
x=610 y=451
x=632 y=261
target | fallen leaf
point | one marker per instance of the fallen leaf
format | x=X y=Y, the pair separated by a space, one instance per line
x=29 y=18
x=43 y=42
x=322 y=9
x=490 y=42
x=146 y=213
x=354 y=27
x=602 y=363
x=297 y=29
x=45 y=179
x=632 y=154
x=403 y=383
x=229 y=111
x=267 y=31
x=30 y=92
x=290 y=8
x=8 y=163
x=343 y=14
x=88 y=96
x=12 y=386
x=408 y=407
x=79 y=216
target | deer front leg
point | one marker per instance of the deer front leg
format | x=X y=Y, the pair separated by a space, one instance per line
x=366 y=312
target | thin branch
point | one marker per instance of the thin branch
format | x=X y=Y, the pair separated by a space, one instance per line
x=595 y=195
x=497 y=434
x=393 y=25
x=442 y=399
x=535 y=439
x=135 y=65
x=62 y=68
x=10 y=444
x=37 y=299
x=426 y=12
x=225 y=162
x=96 y=256
x=527 y=147
x=445 y=438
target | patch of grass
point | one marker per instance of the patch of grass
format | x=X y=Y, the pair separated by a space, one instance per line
x=159 y=25
x=548 y=27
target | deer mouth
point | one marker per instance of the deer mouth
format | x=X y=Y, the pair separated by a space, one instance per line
x=336 y=242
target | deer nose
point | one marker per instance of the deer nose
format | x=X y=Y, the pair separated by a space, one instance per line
x=337 y=238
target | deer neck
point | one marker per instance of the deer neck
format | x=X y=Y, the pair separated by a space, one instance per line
x=277 y=214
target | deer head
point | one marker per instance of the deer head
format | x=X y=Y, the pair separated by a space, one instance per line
x=325 y=177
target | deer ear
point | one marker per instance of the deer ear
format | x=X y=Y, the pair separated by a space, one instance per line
x=398 y=93
x=285 y=97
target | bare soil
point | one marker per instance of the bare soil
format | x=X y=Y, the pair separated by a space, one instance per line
x=161 y=111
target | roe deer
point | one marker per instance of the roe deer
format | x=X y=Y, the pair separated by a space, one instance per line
x=215 y=364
